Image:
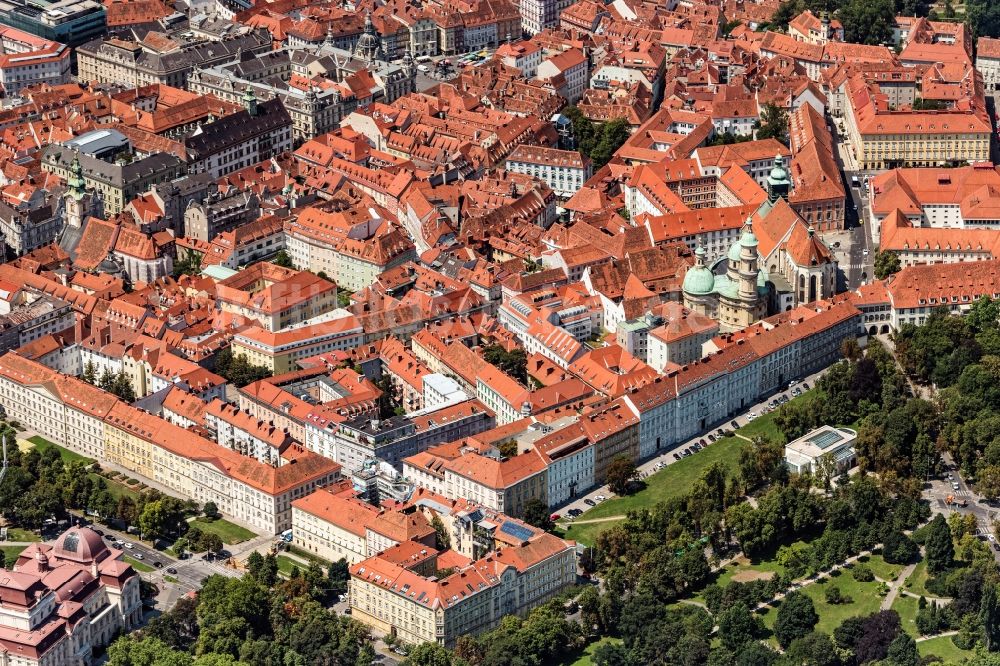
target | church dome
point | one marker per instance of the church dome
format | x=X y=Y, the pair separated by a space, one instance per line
x=80 y=544
x=734 y=252
x=778 y=171
x=699 y=280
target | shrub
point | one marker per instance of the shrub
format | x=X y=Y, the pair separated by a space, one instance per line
x=862 y=573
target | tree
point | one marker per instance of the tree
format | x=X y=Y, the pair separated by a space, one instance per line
x=989 y=615
x=145 y=652
x=514 y=362
x=738 y=626
x=938 y=546
x=612 y=136
x=121 y=386
x=508 y=448
x=428 y=654
x=237 y=370
x=815 y=649
x=897 y=548
x=611 y=654
x=536 y=513
x=338 y=574
x=442 y=540
x=902 y=651
x=868 y=21
x=886 y=264
x=796 y=618
x=89 y=372
x=988 y=481
x=159 y=516
x=773 y=123
x=211 y=510
x=211 y=542
x=282 y=259
x=620 y=473
x=878 y=631
x=189 y=264
x=255 y=564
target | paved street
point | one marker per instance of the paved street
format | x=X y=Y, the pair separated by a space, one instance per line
x=856 y=252
x=667 y=457
x=941 y=488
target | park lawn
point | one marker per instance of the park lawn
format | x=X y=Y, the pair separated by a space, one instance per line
x=19 y=534
x=881 y=568
x=917 y=582
x=286 y=564
x=743 y=571
x=68 y=456
x=137 y=565
x=943 y=647
x=865 y=600
x=584 y=659
x=306 y=555
x=906 y=606
x=229 y=532
x=673 y=481
x=116 y=490
x=10 y=554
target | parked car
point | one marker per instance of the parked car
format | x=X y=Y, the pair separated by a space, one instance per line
x=99 y=532
x=734 y=424
x=702 y=442
x=589 y=502
x=600 y=498
x=955 y=486
x=751 y=416
x=575 y=512
x=712 y=438
x=805 y=385
x=676 y=457
x=110 y=537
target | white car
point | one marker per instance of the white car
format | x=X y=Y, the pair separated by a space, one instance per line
x=600 y=498
x=864 y=252
x=128 y=545
x=991 y=538
x=751 y=416
x=140 y=556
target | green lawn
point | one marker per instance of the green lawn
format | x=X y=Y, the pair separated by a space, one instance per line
x=229 y=532
x=584 y=659
x=883 y=569
x=744 y=571
x=285 y=565
x=906 y=606
x=944 y=647
x=675 y=480
x=137 y=565
x=865 y=600
x=116 y=489
x=10 y=554
x=68 y=456
x=917 y=582
x=18 y=534
x=678 y=477
x=305 y=554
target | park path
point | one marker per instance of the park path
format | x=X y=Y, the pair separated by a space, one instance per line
x=803 y=582
x=16 y=543
x=941 y=635
x=895 y=585
x=597 y=520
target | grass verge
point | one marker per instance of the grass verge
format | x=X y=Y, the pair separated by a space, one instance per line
x=230 y=533
x=68 y=456
x=138 y=565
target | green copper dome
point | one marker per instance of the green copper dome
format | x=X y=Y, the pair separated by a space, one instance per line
x=699 y=279
x=734 y=252
x=778 y=172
